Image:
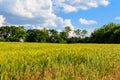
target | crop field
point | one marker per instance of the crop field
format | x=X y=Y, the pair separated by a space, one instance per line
x=45 y=61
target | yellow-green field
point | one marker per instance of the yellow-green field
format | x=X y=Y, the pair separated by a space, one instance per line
x=42 y=61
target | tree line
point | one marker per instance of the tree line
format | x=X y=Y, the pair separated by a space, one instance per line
x=109 y=33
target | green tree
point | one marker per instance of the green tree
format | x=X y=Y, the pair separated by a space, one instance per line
x=106 y=34
x=53 y=36
x=77 y=33
x=17 y=33
x=35 y=35
x=67 y=30
x=12 y=33
x=63 y=37
x=83 y=33
x=4 y=32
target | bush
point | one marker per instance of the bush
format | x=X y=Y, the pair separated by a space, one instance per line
x=2 y=40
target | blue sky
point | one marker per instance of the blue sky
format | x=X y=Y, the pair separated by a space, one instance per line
x=102 y=15
x=56 y=14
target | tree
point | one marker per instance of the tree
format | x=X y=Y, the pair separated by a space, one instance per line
x=77 y=33
x=80 y=33
x=53 y=36
x=45 y=33
x=67 y=30
x=4 y=32
x=106 y=34
x=73 y=40
x=17 y=33
x=35 y=35
x=63 y=37
x=12 y=33
x=83 y=33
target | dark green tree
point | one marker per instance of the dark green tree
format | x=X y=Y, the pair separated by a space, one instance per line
x=83 y=33
x=17 y=33
x=77 y=33
x=53 y=36
x=4 y=32
x=67 y=31
x=13 y=33
x=36 y=35
x=106 y=34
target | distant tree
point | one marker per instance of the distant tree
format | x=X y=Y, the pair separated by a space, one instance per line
x=45 y=33
x=83 y=33
x=115 y=37
x=109 y=33
x=35 y=35
x=17 y=33
x=12 y=33
x=67 y=30
x=63 y=36
x=4 y=32
x=106 y=34
x=80 y=33
x=73 y=40
x=77 y=33
x=53 y=36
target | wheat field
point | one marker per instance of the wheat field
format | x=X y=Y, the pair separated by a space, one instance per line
x=46 y=61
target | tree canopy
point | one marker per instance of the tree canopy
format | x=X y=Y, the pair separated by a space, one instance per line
x=109 y=33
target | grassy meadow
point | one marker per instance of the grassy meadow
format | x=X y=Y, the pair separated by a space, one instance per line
x=44 y=61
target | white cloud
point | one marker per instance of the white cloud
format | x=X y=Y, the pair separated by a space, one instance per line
x=41 y=12
x=72 y=6
x=87 y=22
x=64 y=23
x=32 y=12
x=104 y=2
x=28 y=8
x=117 y=18
x=69 y=8
x=2 y=20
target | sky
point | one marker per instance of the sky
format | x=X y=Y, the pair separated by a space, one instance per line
x=57 y=14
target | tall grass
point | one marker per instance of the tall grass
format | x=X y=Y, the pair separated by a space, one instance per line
x=42 y=61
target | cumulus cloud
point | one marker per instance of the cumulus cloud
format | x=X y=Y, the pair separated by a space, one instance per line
x=37 y=11
x=72 y=6
x=64 y=23
x=2 y=19
x=41 y=12
x=87 y=22
x=117 y=18
x=104 y=2
x=32 y=12
x=28 y=8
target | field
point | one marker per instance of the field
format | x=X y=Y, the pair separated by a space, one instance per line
x=44 y=61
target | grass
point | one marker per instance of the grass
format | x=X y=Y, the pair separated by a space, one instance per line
x=44 y=61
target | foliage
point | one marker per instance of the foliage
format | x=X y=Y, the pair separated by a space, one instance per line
x=106 y=34
x=2 y=40
x=35 y=35
x=80 y=33
x=12 y=33
x=53 y=36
